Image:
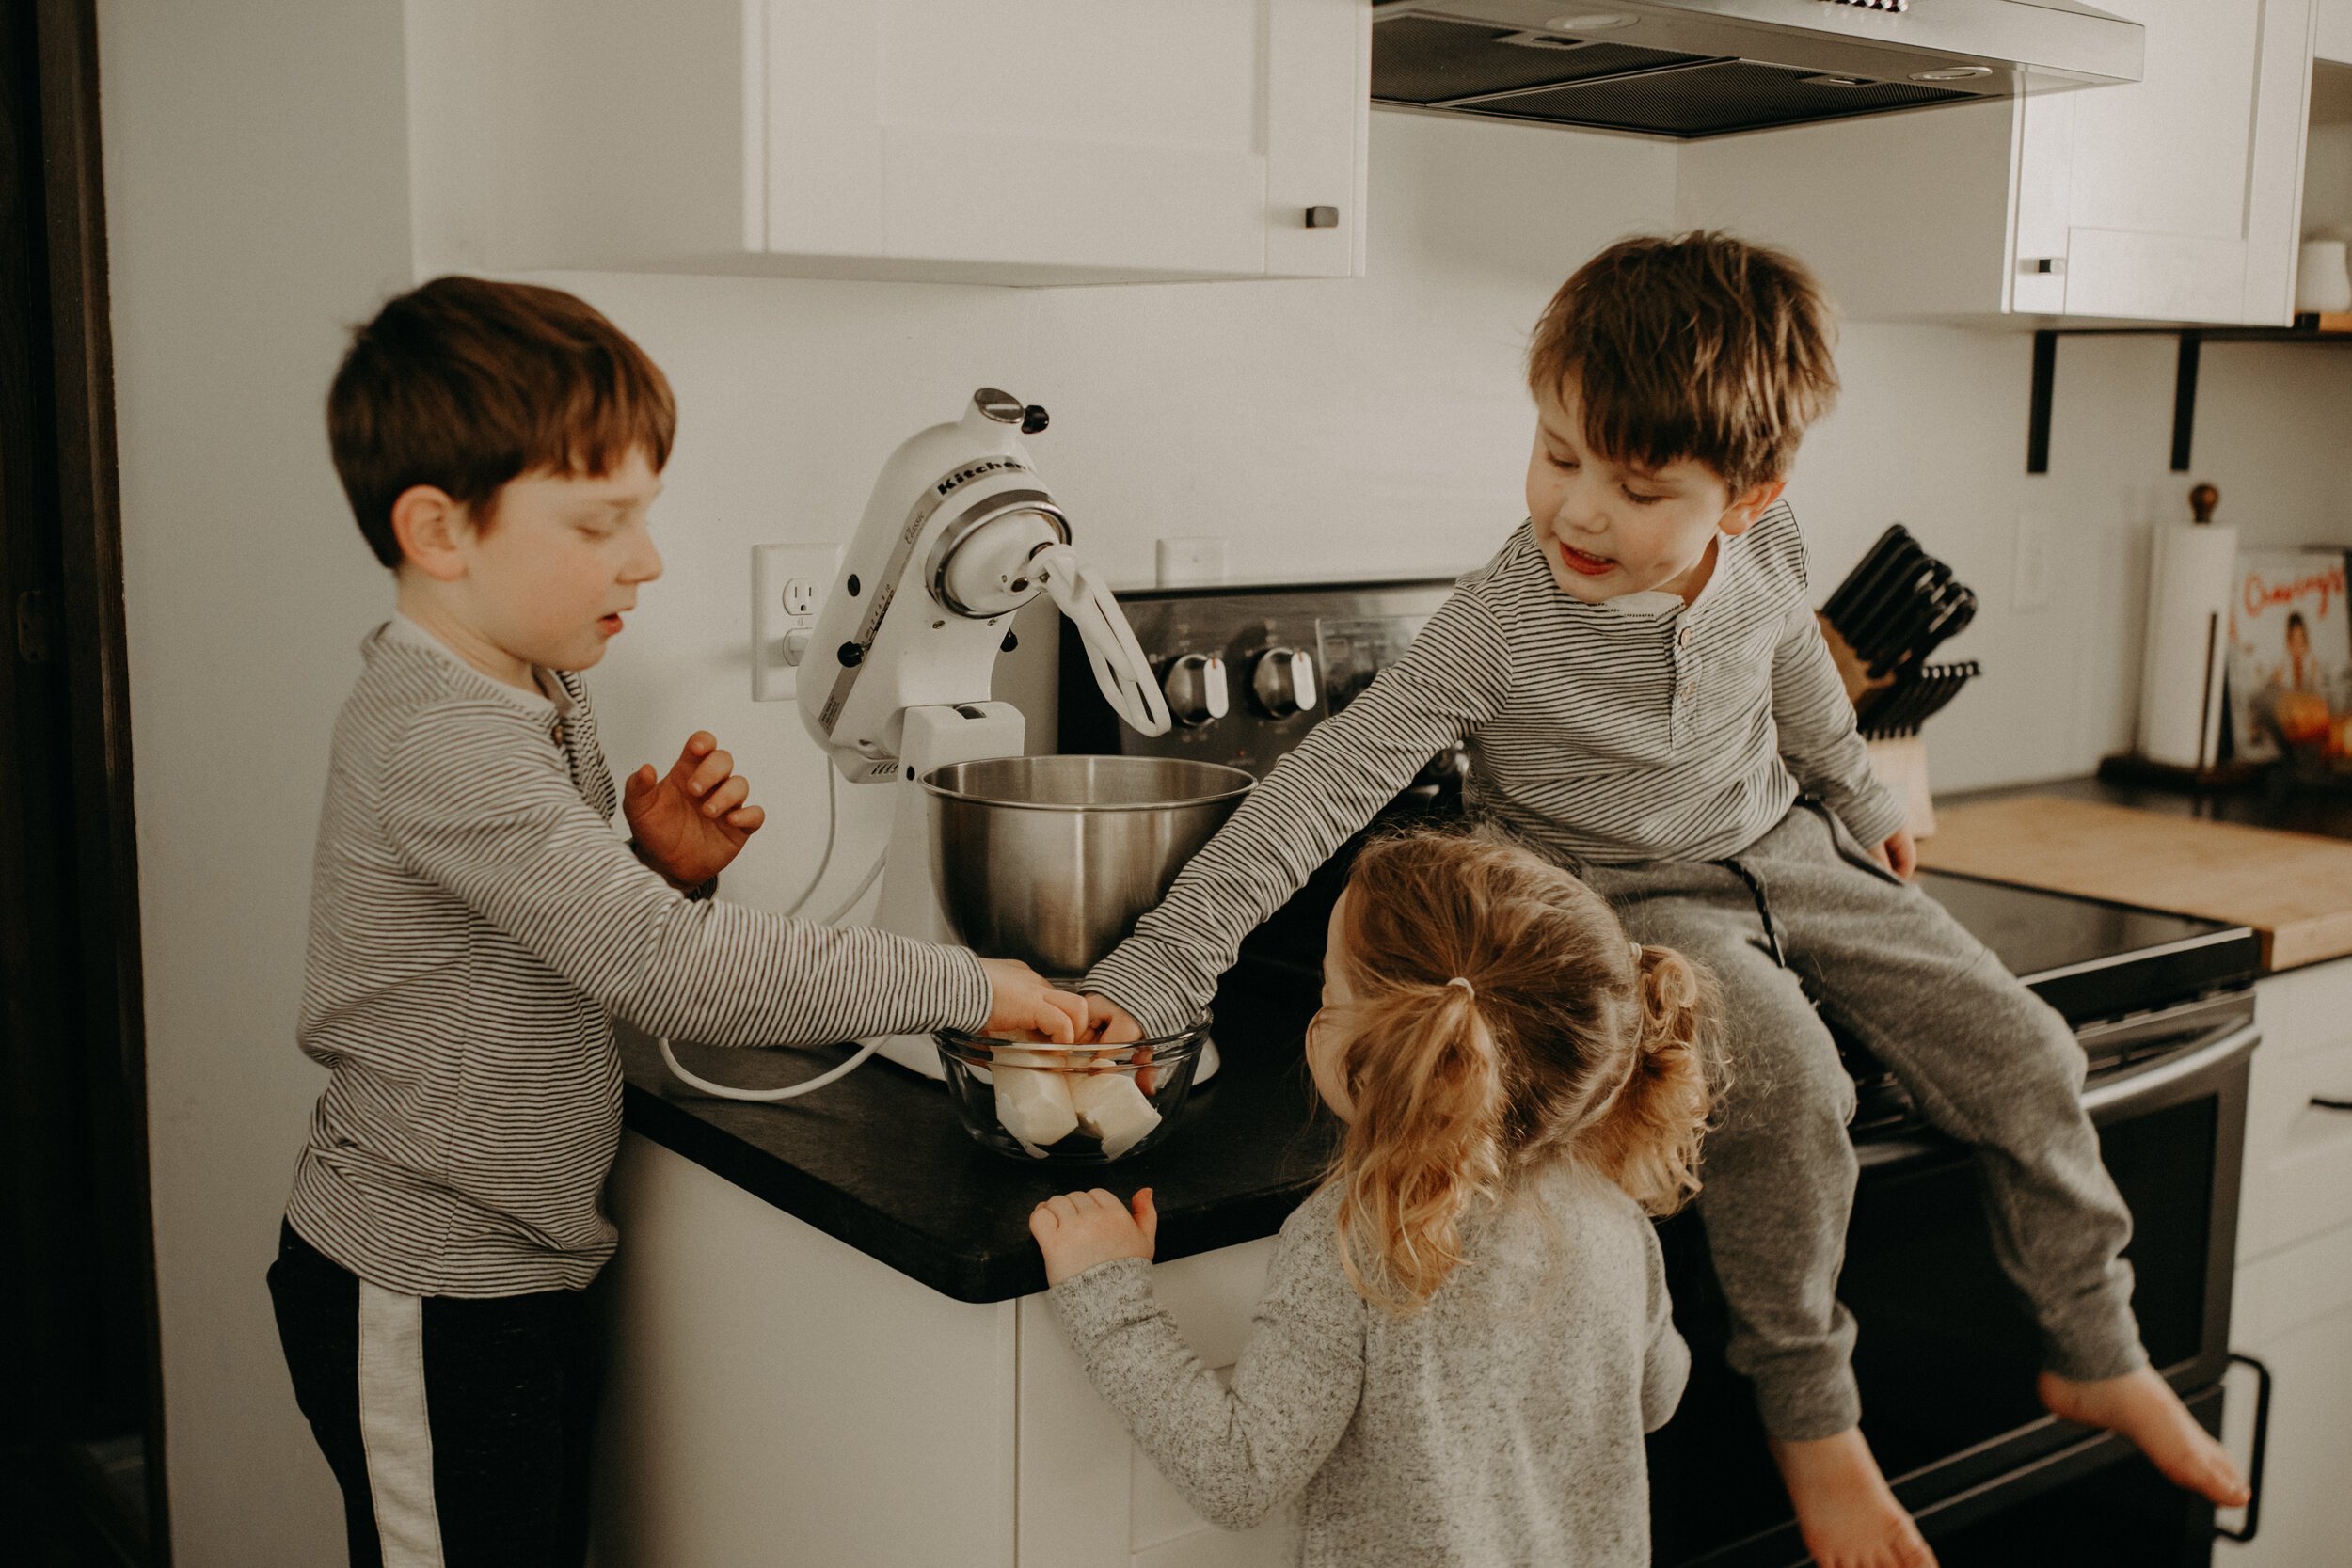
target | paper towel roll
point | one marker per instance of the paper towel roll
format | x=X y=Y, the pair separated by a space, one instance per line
x=2188 y=621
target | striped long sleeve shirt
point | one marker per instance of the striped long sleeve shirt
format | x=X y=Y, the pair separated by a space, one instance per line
x=1638 y=729
x=475 y=924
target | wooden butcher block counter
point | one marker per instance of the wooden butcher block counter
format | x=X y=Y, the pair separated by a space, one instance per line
x=2293 y=888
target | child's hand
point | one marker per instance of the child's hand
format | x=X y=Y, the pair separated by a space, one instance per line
x=1899 y=854
x=689 y=824
x=1078 y=1230
x=1023 y=1006
x=1110 y=1023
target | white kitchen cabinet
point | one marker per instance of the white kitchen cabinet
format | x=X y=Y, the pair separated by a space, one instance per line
x=1088 y=1495
x=1021 y=141
x=2172 y=199
x=2294 y=1311
x=2292 y=1306
x=776 y=1396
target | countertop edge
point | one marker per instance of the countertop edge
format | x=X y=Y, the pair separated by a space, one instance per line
x=980 y=1277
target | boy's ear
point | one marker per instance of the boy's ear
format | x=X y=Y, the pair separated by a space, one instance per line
x=430 y=527
x=1749 y=507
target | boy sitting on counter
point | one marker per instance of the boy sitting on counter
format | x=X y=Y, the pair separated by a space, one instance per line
x=476 y=923
x=1647 y=699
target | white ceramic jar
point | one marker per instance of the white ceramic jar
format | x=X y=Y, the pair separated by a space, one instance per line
x=2321 y=281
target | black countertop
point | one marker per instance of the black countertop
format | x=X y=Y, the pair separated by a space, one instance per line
x=881 y=1161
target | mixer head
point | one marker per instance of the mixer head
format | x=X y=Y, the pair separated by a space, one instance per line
x=958 y=535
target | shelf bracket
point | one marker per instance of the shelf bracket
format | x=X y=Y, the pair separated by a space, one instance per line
x=2038 y=413
x=2184 y=399
x=2306 y=330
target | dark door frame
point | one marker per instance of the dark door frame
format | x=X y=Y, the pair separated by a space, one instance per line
x=75 y=1085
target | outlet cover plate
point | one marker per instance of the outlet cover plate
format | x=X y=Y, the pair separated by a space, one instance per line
x=2029 y=575
x=789 y=584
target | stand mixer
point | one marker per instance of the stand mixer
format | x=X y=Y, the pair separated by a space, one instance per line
x=958 y=535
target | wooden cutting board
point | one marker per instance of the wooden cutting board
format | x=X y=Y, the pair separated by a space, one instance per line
x=2294 y=889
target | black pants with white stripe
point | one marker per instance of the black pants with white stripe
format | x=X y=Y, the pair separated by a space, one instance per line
x=459 y=1430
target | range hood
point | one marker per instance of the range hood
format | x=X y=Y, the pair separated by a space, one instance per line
x=1709 y=68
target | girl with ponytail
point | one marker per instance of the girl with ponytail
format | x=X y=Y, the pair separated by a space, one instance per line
x=1465 y=1330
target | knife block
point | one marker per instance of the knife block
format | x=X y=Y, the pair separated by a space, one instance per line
x=1901 y=766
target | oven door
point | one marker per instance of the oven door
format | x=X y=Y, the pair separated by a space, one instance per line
x=1947 y=1354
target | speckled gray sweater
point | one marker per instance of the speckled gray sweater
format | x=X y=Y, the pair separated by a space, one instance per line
x=1501 y=1425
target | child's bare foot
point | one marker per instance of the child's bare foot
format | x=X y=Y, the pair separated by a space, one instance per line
x=2142 y=1407
x=1845 y=1509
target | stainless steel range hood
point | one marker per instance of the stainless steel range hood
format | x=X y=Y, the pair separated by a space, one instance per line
x=1709 y=68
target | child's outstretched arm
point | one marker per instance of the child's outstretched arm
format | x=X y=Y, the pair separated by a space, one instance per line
x=1235 y=1453
x=504 y=829
x=1453 y=680
x=690 y=823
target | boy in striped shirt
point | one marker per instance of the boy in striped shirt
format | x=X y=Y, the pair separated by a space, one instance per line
x=475 y=923
x=1645 y=695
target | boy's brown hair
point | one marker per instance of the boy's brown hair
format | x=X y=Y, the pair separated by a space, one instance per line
x=464 y=384
x=1699 y=346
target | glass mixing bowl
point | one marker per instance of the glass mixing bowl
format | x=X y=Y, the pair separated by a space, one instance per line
x=1077 y=1106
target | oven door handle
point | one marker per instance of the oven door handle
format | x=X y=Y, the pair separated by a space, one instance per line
x=2123 y=1091
x=2254 y=1460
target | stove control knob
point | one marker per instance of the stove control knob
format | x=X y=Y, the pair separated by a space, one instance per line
x=1283 y=681
x=1195 y=690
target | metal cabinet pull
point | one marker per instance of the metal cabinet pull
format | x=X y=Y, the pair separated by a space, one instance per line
x=2254 y=1461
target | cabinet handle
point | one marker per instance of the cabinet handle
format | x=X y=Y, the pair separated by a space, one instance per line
x=2042 y=264
x=2324 y=1103
x=1323 y=217
x=2254 y=1460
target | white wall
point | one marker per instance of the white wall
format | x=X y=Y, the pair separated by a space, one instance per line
x=254 y=165
x=257 y=189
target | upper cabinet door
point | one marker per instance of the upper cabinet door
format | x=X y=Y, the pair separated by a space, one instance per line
x=1019 y=141
x=2174 y=198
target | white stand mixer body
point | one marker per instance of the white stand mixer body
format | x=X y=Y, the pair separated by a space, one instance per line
x=885 y=641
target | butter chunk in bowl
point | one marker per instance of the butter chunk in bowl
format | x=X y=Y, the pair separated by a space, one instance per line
x=1082 y=1104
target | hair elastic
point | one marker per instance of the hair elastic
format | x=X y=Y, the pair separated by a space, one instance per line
x=1457 y=980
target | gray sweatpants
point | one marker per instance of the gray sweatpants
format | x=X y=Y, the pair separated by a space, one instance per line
x=1986 y=1060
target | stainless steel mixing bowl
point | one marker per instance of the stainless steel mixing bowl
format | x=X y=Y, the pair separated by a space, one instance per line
x=1052 y=859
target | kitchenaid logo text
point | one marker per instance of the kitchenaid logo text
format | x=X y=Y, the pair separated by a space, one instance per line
x=992 y=465
x=2259 y=593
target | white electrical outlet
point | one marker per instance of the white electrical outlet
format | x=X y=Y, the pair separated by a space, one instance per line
x=1189 y=562
x=788 y=587
x=2029 y=570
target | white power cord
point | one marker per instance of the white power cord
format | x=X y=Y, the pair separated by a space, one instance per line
x=833 y=827
x=788 y=1092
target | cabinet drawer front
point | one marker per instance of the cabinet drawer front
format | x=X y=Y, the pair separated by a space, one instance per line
x=2298 y=1155
x=2294 y=1311
x=2113 y=272
x=2305 y=1010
